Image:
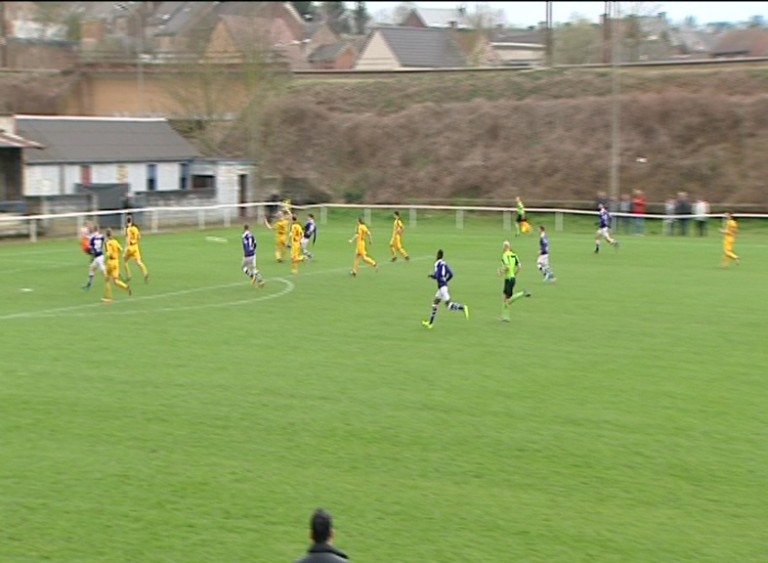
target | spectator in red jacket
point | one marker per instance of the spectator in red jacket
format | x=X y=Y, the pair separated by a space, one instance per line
x=638 y=210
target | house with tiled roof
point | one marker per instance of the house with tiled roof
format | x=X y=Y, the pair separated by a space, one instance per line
x=405 y=48
x=740 y=43
x=437 y=18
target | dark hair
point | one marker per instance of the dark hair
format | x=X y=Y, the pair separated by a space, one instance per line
x=311 y=215
x=294 y=218
x=397 y=214
x=440 y=254
x=245 y=227
x=129 y=218
x=321 y=525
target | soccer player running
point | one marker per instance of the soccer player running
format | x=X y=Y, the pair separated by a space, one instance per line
x=604 y=228
x=396 y=243
x=442 y=274
x=132 y=252
x=297 y=234
x=542 y=262
x=362 y=237
x=281 y=234
x=521 y=220
x=729 y=230
x=249 y=258
x=112 y=275
x=510 y=267
x=310 y=233
x=96 y=246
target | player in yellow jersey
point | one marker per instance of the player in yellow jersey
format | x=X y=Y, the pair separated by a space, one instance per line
x=297 y=233
x=112 y=273
x=361 y=238
x=396 y=243
x=132 y=252
x=280 y=227
x=729 y=230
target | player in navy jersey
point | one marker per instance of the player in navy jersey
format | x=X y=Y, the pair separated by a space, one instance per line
x=442 y=274
x=604 y=228
x=96 y=245
x=310 y=233
x=542 y=262
x=249 y=257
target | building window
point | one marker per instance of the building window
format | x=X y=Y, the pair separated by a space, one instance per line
x=151 y=177
x=184 y=176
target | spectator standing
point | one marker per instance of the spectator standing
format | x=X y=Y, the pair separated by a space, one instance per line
x=321 y=534
x=683 y=210
x=668 y=227
x=638 y=210
x=625 y=210
x=701 y=215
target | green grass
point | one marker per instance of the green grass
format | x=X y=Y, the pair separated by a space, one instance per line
x=622 y=416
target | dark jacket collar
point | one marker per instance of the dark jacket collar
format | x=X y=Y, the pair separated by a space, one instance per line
x=326 y=548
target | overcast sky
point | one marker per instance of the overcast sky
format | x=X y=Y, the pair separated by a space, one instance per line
x=530 y=13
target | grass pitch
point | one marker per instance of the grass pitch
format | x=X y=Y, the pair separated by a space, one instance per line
x=621 y=416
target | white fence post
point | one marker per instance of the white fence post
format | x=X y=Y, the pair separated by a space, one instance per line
x=367 y=214
x=323 y=215
x=33 y=230
x=506 y=220
x=227 y=217
x=154 y=220
x=558 y=221
x=459 y=218
x=412 y=217
x=201 y=219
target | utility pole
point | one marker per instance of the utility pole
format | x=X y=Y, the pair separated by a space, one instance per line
x=615 y=101
x=4 y=38
x=548 y=31
x=136 y=13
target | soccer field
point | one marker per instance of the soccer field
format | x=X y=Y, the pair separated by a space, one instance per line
x=622 y=416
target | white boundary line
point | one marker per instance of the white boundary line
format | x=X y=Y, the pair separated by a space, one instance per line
x=92 y=308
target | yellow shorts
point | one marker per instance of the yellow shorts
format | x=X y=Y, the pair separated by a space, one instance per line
x=132 y=252
x=296 y=255
x=113 y=269
x=361 y=250
x=281 y=241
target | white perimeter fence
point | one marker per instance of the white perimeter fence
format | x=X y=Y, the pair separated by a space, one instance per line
x=157 y=219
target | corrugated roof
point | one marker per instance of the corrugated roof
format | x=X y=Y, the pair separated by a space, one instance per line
x=11 y=141
x=423 y=47
x=96 y=139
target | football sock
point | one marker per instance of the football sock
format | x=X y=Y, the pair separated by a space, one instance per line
x=143 y=269
x=505 y=310
x=127 y=271
x=433 y=314
x=516 y=296
x=456 y=307
x=90 y=279
x=108 y=291
x=120 y=283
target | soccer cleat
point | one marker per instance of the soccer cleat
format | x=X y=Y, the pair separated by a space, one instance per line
x=616 y=244
x=466 y=311
x=353 y=273
x=393 y=259
x=106 y=300
x=146 y=278
x=505 y=319
x=426 y=324
x=86 y=287
x=407 y=258
x=526 y=293
x=129 y=291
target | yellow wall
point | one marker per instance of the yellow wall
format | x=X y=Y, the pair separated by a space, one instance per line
x=202 y=92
